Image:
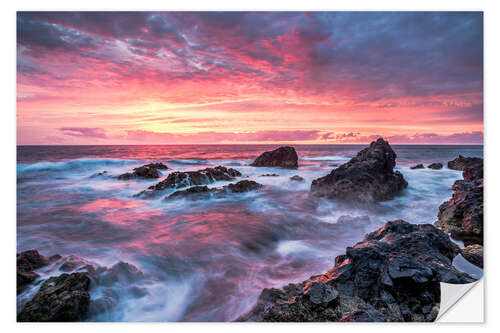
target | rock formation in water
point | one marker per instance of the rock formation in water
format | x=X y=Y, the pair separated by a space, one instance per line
x=460 y=163
x=462 y=215
x=367 y=177
x=62 y=298
x=474 y=254
x=392 y=275
x=148 y=171
x=435 y=166
x=66 y=297
x=181 y=179
x=418 y=166
x=284 y=157
x=204 y=192
x=27 y=262
x=297 y=178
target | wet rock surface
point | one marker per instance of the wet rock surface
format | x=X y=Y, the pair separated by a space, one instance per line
x=62 y=298
x=435 y=166
x=367 y=177
x=204 y=192
x=283 y=157
x=181 y=179
x=148 y=171
x=418 y=166
x=297 y=178
x=392 y=275
x=28 y=261
x=460 y=163
x=462 y=215
x=473 y=254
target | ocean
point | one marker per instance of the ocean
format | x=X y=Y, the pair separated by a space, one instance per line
x=206 y=260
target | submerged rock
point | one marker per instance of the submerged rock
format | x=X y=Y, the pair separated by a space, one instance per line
x=270 y=175
x=181 y=179
x=462 y=215
x=367 y=177
x=392 y=275
x=204 y=192
x=474 y=254
x=418 y=166
x=62 y=298
x=284 y=157
x=297 y=178
x=460 y=163
x=435 y=166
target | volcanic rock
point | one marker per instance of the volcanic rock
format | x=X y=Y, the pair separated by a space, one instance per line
x=204 y=192
x=181 y=179
x=284 y=157
x=392 y=275
x=28 y=261
x=460 y=163
x=474 y=254
x=435 y=166
x=462 y=215
x=62 y=298
x=367 y=177
x=418 y=166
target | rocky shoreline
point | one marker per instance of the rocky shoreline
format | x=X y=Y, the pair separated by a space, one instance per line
x=393 y=274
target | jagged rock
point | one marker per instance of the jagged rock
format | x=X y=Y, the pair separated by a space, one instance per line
x=284 y=157
x=460 y=163
x=28 y=261
x=367 y=177
x=148 y=171
x=364 y=313
x=62 y=298
x=435 y=166
x=159 y=166
x=418 y=166
x=462 y=215
x=204 y=192
x=392 y=275
x=474 y=254
x=242 y=186
x=181 y=179
x=297 y=178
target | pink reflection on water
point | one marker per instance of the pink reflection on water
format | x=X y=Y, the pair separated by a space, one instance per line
x=106 y=204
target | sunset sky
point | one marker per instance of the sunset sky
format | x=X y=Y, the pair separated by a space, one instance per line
x=254 y=77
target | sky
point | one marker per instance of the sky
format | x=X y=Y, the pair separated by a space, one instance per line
x=249 y=77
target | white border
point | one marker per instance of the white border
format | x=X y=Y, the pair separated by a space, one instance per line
x=8 y=121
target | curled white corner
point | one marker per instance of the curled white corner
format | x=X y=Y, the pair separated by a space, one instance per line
x=452 y=296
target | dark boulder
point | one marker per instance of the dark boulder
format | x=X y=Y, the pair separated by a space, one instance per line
x=181 y=179
x=462 y=215
x=270 y=175
x=460 y=163
x=204 y=192
x=242 y=186
x=418 y=166
x=158 y=166
x=62 y=298
x=284 y=157
x=474 y=254
x=148 y=171
x=435 y=166
x=392 y=275
x=297 y=178
x=28 y=261
x=367 y=177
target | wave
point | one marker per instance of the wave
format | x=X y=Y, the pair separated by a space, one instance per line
x=77 y=164
x=335 y=158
